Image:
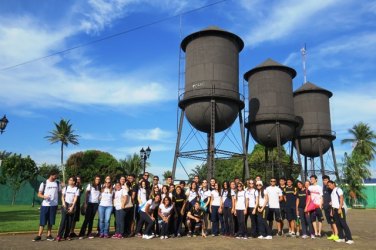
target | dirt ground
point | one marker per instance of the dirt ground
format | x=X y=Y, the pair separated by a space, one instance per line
x=361 y=222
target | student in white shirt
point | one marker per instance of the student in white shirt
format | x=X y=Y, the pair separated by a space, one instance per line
x=205 y=196
x=91 y=204
x=192 y=195
x=215 y=209
x=164 y=212
x=275 y=196
x=226 y=207
x=317 y=198
x=120 y=199
x=262 y=207
x=339 y=214
x=105 y=209
x=49 y=192
x=68 y=201
x=250 y=195
x=240 y=211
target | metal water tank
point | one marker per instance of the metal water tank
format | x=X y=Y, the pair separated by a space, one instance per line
x=271 y=105
x=211 y=73
x=311 y=104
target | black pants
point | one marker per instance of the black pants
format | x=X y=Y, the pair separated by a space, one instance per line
x=253 y=218
x=177 y=221
x=343 y=229
x=165 y=227
x=66 y=222
x=228 y=222
x=305 y=221
x=128 y=220
x=91 y=210
x=145 y=218
x=241 y=223
x=262 y=222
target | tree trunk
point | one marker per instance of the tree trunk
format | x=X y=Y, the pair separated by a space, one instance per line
x=62 y=165
x=14 y=197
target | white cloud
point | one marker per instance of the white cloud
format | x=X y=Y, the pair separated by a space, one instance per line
x=155 y=134
x=96 y=137
x=283 y=18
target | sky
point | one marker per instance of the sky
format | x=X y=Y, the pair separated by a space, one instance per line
x=120 y=94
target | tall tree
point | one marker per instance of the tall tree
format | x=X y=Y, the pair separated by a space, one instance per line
x=363 y=140
x=64 y=134
x=16 y=170
x=167 y=174
x=132 y=164
x=45 y=169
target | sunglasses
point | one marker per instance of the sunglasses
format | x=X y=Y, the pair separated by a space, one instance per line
x=259 y=185
x=146 y=175
x=155 y=179
x=108 y=182
x=272 y=181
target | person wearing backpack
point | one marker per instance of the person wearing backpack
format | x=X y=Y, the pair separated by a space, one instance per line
x=91 y=204
x=49 y=192
x=69 y=197
x=339 y=214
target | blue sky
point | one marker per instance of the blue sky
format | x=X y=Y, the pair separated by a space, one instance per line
x=121 y=94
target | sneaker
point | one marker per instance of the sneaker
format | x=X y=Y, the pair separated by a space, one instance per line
x=73 y=235
x=148 y=237
x=91 y=236
x=331 y=237
x=261 y=237
x=162 y=237
x=68 y=238
x=304 y=236
x=313 y=236
x=144 y=236
x=101 y=235
x=139 y=235
x=114 y=236
x=245 y=238
x=350 y=242
x=58 y=238
x=106 y=236
x=81 y=237
x=238 y=237
x=288 y=234
x=293 y=234
x=297 y=234
x=166 y=237
x=50 y=238
x=280 y=233
x=189 y=235
x=269 y=237
x=340 y=240
x=37 y=238
x=335 y=238
x=178 y=236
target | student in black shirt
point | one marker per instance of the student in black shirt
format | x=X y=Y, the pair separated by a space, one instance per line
x=289 y=193
x=305 y=218
x=196 y=220
x=179 y=200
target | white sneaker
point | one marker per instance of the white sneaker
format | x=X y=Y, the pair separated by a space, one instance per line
x=166 y=237
x=162 y=237
x=350 y=242
x=144 y=236
x=269 y=237
x=340 y=240
x=261 y=237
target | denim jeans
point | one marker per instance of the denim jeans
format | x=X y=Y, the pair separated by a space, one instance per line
x=145 y=218
x=305 y=221
x=228 y=223
x=241 y=223
x=104 y=219
x=215 y=219
x=253 y=217
x=120 y=221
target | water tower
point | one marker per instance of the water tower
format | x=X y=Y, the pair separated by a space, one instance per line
x=211 y=101
x=314 y=136
x=272 y=121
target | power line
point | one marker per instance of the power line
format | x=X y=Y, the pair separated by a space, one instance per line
x=114 y=35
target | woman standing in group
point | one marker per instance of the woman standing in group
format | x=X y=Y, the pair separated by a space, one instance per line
x=179 y=200
x=301 y=209
x=193 y=195
x=154 y=192
x=205 y=196
x=105 y=209
x=120 y=199
x=91 y=207
x=226 y=206
x=240 y=211
x=251 y=201
x=164 y=212
x=215 y=209
x=262 y=209
x=146 y=215
x=68 y=199
x=142 y=195
x=233 y=211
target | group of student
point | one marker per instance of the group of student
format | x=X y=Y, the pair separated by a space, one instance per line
x=150 y=210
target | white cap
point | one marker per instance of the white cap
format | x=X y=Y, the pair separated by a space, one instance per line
x=259 y=183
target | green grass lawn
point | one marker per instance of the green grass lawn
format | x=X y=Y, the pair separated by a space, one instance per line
x=23 y=218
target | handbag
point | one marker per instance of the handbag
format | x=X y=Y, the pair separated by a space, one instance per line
x=311 y=206
x=83 y=210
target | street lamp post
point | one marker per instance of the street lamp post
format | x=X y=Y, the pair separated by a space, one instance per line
x=144 y=155
x=3 y=124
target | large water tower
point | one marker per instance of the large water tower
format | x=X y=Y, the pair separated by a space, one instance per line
x=211 y=101
x=314 y=136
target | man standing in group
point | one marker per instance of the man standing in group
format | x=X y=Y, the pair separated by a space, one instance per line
x=282 y=204
x=316 y=197
x=327 y=207
x=289 y=193
x=49 y=192
x=275 y=196
x=156 y=182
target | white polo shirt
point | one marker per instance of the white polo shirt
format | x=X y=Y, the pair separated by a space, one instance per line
x=51 y=190
x=70 y=193
x=250 y=195
x=274 y=193
x=94 y=193
x=335 y=196
x=216 y=198
x=240 y=200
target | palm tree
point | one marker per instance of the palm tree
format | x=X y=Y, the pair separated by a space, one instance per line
x=132 y=164
x=64 y=134
x=363 y=140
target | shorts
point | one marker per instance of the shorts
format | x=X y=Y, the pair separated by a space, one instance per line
x=290 y=213
x=328 y=217
x=274 y=213
x=47 y=215
x=317 y=215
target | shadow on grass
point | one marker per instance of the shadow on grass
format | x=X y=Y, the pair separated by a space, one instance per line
x=19 y=215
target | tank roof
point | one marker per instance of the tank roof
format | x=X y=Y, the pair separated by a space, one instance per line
x=269 y=64
x=309 y=87
x=212 y=31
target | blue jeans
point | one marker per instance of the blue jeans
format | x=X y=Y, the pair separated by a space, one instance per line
x=120 y=218
x=215 y=218
x=104 y=219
